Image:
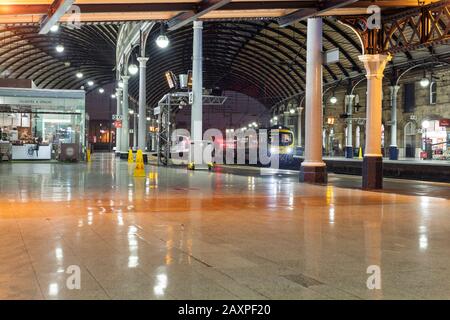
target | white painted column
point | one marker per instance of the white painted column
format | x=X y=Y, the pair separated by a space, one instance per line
x=119 y=113
x=286 y=119
x=313 y=169
x=134 y=130
x=125 y=143
x=373 y=161
x=299 y=126
x=142 y=136
x=349 y=110
x=197 y=91
x=393 y=149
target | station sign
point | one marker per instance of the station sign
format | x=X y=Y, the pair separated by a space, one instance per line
x=171 y=80
x=41 y=101
x=331 y=56
x=444 y=123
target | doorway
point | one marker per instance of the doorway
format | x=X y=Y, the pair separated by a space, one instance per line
x=410 y=140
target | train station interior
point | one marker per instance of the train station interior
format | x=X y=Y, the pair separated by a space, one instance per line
x=224 y=150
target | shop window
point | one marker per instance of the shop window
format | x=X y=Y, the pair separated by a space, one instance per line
x=433 y=93
x=409 y=97
x=410 y=140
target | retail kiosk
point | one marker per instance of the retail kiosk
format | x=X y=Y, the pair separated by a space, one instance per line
x=38 y=124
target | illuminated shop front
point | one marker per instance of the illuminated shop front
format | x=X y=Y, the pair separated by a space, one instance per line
x=41 y=124
x=436 y=139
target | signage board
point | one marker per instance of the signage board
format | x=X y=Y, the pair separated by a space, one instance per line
x=444 y=123
x=331 y=56
x=41 y=102
x=171 y=80
x=157 y=110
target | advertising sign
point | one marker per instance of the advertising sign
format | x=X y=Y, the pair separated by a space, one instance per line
x=444 y=123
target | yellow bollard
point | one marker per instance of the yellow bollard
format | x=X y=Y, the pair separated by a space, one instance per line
x=130 y=156
x=360 y=155
x=88 y=155
x=139 y=170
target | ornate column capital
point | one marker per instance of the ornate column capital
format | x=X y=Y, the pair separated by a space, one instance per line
x=142 y=61
x=375 y=64
x=394 y=89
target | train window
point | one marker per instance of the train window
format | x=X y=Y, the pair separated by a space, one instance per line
x=284 y=138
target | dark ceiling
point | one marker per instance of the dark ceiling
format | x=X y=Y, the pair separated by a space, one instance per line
x=254 y=57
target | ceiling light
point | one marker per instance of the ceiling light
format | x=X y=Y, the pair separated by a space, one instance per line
x=113 y=96
x=162 y=41
x=79 y=75
x=59 y=48
x=133 y=69
x=333 y=100
x=101 y=90
x=425 y=82
x=54 y=28
x=90 y=83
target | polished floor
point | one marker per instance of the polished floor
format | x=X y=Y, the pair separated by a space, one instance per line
x=179 y=234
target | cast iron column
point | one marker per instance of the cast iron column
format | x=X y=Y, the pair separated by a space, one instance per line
x=125 y=143
x=142 y=136
x=119 y=113
x=197 y=91
x=313 y=169
x=393 y=149
x=373 y=160
x=299 y=127
x=349 y=110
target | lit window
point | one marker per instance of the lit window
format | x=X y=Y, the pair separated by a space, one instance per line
x=433 y=93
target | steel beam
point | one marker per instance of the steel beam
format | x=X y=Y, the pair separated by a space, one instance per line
x=185 y=18
x=56 y=11
x=305 y=13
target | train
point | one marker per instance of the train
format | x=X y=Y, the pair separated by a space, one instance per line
x=285 y=149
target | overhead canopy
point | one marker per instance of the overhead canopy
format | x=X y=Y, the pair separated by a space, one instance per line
x=251 y=55
x=90 y=50
x=20 y=11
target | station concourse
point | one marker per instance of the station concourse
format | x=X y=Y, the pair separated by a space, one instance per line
x=128 y=130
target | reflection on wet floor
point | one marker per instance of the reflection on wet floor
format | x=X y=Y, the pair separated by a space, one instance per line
x=399 y=186
x=179 y=234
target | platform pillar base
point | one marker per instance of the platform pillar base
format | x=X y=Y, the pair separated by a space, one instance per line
x=316 y=175
x=372 y=173
x=349 y=152
x=393 y=153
